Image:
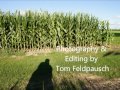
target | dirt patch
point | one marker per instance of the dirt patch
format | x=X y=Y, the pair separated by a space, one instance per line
x=38 y=51
x=17 y=57
x=86 y=82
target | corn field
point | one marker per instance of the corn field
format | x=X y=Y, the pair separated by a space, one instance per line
x=42 y=29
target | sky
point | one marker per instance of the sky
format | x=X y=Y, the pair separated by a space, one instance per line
x=103 y=9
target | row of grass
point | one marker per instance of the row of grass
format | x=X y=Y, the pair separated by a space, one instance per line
x=22 y=67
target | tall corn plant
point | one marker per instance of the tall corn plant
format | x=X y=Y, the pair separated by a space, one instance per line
x=36 y=30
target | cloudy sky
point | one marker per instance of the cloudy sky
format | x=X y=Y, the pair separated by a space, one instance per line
x=103 y=9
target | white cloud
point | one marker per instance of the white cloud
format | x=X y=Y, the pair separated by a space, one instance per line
x=115 y=25
x=115 y=22
x=116 y=17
